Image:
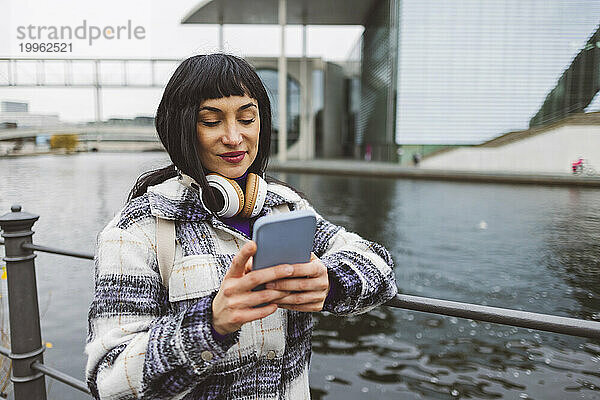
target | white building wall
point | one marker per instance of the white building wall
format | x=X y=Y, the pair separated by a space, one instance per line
x=549 y=152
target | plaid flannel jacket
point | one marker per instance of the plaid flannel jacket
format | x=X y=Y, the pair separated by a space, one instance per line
x=145 y=341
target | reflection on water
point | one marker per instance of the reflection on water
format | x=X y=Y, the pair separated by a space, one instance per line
x=523 y=247
x=573 y=250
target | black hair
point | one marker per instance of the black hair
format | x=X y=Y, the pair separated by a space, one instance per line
x=195 y=80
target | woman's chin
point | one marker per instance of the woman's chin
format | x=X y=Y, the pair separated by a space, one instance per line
x=232 y=171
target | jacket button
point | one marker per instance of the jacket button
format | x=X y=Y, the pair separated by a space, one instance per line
x=270 y=355
x=206 y=355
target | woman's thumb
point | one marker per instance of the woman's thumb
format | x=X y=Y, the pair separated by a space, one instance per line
x=238 y=264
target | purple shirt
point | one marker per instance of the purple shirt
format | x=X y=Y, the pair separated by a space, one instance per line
x=241 y=224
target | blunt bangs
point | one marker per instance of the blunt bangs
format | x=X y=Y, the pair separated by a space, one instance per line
x=222 y=76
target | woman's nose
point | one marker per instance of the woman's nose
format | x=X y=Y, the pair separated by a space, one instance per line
x=232 y=136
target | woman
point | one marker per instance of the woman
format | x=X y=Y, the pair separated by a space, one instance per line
x=205 y=334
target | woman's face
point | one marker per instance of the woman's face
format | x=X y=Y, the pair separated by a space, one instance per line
x=228 y=130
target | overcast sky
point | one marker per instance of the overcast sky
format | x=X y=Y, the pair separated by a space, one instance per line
x=164 y=37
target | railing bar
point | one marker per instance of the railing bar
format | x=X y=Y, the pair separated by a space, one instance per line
x=523 y=319
x=5 y=351
x=61 y=376
x=35 y=247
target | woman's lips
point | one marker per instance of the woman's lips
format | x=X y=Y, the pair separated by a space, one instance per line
x=233 y=157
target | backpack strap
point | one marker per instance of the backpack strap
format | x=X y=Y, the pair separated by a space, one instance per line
x=165 y=247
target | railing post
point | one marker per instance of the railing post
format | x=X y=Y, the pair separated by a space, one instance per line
x=25 y=335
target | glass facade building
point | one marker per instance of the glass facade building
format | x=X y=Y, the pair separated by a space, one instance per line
x=467 y=71
x=270 y=79
x=379 y=45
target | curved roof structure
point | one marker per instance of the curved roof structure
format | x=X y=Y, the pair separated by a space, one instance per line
x=309 y=12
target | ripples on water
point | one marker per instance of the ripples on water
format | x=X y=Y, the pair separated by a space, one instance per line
x=524 y=247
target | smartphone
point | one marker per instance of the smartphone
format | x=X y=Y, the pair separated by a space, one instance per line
x=285 y=238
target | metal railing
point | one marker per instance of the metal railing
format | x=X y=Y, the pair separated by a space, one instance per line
x=26 y=353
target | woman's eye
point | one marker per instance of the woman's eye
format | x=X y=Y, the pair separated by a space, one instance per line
x=247 y=121
x=210 y=123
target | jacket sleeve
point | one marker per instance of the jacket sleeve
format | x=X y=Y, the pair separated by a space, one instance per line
x=136 y=346
x=360 y=272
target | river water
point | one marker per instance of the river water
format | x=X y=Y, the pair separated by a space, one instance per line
x=529 y=248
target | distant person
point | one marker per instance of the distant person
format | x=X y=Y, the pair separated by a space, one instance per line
x=368 y=152
x=577 y=166
x=204 y=334
x=416 y=159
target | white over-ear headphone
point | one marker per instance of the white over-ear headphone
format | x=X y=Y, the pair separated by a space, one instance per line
x=235 y=201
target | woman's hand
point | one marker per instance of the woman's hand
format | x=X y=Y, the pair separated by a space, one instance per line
x=311 y=286
x=234 y=303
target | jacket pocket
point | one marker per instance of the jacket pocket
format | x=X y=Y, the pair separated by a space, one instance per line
x=193 y=276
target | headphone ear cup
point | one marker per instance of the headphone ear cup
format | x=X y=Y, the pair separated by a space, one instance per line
x=233 y=196
x=256 y=193
x=261 y=196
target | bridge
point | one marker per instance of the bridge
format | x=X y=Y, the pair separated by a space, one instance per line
x=95 y=74
x=142 y=133
x=100 y=73
x=86 y=73
x=90 y=137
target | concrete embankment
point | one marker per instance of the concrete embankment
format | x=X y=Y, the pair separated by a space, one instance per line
x=390 y=170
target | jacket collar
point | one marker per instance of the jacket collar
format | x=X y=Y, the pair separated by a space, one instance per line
x=172 y=200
